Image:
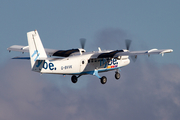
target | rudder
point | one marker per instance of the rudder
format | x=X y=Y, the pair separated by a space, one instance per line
x=36 y=49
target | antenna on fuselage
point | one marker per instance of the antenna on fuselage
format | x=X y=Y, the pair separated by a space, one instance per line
x=99 y=49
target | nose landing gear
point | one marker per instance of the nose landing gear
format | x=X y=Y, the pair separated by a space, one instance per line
x=117 y=75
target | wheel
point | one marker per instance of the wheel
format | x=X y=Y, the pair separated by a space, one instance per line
x=103 y=80
x=117 y=75
x=74 y=79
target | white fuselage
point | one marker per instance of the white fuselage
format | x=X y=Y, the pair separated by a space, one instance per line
x=81 y=64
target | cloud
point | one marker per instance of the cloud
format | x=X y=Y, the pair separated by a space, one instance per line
x=20 y=90
x=145 y=91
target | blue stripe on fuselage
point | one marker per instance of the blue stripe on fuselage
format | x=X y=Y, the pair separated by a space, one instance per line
x=90 y=72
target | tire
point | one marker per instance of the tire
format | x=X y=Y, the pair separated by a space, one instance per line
x=117 y=75
x=103 y=80
x=74 y=79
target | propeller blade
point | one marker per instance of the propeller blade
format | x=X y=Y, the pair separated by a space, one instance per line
x=82 y=41
x=128 y=43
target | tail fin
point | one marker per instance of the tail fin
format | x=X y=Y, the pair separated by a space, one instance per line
x=36 y=49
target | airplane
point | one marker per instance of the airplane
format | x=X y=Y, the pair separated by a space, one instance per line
x=78 y=62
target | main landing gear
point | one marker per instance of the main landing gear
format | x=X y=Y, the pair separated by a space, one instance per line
x=103 y=79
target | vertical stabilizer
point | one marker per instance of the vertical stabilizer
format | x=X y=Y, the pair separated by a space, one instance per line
x=36 y=49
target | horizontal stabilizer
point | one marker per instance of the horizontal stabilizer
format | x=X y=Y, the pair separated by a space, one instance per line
x=23 y=58
x=19 y=48
x=50 y=52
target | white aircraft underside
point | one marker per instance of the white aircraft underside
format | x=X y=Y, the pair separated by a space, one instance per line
x=77 y=62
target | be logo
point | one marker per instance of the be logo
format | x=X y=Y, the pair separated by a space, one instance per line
x=111 y=62
x=50 y=66
x=46 y=65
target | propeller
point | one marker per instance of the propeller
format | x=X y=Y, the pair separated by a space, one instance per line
x=128 y=43
x=82 y=41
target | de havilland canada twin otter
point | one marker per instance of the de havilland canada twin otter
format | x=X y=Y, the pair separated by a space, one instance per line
x=78 y=62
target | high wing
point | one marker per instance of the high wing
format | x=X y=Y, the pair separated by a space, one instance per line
x=99 y=54
x=117 y=53
x=50 y=52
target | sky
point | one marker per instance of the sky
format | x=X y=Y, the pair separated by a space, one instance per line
x=148 y=88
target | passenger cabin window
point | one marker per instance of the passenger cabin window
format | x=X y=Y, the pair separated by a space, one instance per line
x=94 y=60
x=83 y=62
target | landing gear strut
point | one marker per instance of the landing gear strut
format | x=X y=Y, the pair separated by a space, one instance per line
x=103 y=79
